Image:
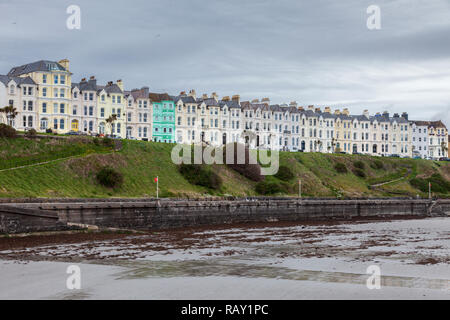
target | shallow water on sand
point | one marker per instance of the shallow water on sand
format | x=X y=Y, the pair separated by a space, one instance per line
x=298 y=261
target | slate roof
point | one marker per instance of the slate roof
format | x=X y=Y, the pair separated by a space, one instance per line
x=275 y=108
x=230 y=104
x=5 y=79
x=41 y=65
x=185 y=99
x=90 y=85
x=139 y=93
x=434 y=124
x=110 y=88
x=211 y=102
x=328 y=115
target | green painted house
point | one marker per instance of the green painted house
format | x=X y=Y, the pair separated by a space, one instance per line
x=163 y=129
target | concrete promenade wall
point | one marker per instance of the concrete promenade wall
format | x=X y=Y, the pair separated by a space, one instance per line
x=172 y=213
x=23 y=220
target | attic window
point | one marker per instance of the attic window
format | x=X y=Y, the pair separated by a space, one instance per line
x=52 y=66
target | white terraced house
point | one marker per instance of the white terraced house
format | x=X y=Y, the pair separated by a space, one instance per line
x=138 y=114
x=420 y=139
x=21 y=93
x=45 y=98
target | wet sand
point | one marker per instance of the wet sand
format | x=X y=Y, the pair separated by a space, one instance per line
x=263 y=261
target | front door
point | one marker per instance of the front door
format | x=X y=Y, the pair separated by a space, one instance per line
x=74 y=126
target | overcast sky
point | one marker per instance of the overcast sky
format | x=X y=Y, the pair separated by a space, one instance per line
x=314 y=52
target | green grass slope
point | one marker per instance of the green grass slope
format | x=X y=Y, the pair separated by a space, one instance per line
x=140 y=162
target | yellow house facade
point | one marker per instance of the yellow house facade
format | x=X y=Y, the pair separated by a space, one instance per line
x=111 y=101
x=54 y=81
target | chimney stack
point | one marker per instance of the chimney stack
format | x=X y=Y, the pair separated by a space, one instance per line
x=327 y=110
x=345 y=111
x=226 y=98
x=265 y=100
x=311 y=107
x=236 y=98
x=214 y=96
x=64 y=63
x=366 y=113
x=205 y=96
x=405 y=115
x=255 y=101
x=192 y=94
x=83 y=80
x=337 y=112
x=293 y=104
x=120 y=84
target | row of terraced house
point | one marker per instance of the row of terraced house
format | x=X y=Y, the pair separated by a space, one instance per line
x=46 y=98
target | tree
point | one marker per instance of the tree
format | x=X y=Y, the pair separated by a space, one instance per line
x=318 y=144
x=110 y=121
x=3 y=114
x=444 y=147
x=10 y=114
x=333 y=144
x=250 y=135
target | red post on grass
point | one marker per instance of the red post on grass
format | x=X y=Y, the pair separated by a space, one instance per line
x=156 y=180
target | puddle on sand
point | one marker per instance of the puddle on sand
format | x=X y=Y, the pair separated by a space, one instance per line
x=205 y=268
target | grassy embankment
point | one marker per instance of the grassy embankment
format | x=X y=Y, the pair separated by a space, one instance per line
x=140 y=162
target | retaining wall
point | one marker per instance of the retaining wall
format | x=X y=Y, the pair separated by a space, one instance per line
x=166 y=213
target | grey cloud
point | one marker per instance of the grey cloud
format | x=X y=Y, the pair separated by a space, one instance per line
x=315 y=52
